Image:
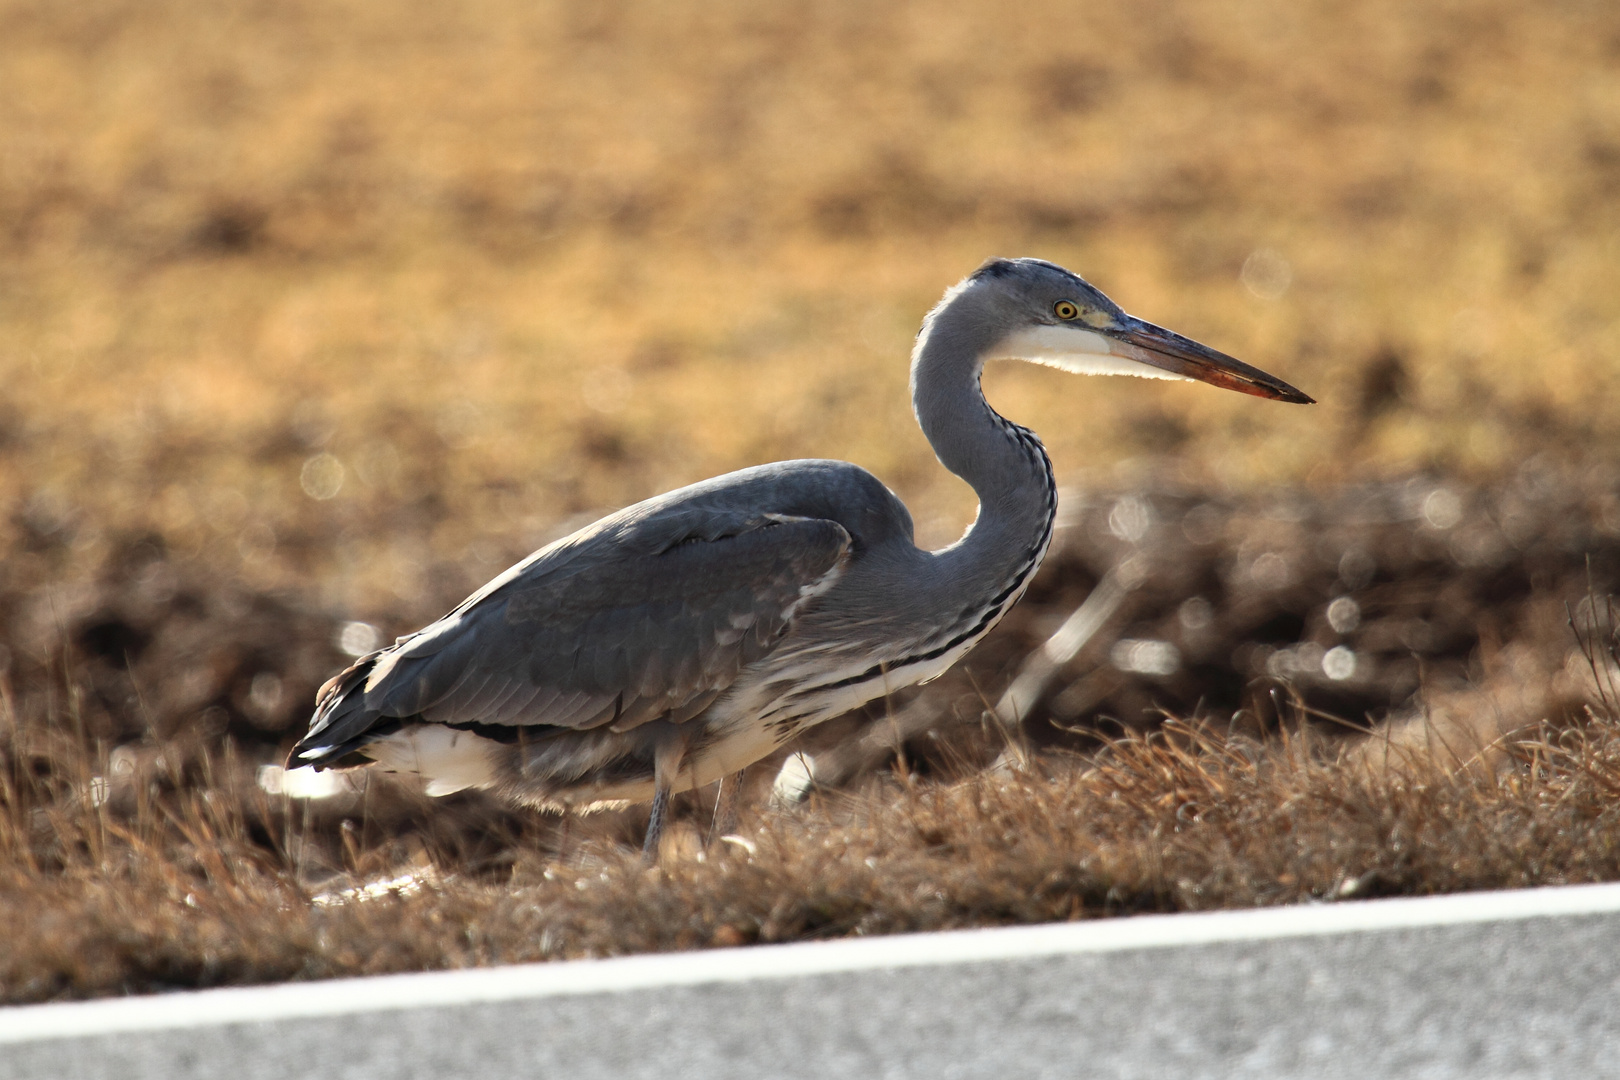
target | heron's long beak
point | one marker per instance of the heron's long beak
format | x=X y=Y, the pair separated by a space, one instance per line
x=1155 y=346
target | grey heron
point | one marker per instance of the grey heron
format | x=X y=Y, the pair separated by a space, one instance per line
x=673 y=643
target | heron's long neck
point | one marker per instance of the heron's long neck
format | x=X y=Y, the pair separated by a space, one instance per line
x=1005 y=464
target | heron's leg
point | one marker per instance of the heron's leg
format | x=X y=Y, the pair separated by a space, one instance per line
x=666 y=766
x=655 y=823
x=726 y=802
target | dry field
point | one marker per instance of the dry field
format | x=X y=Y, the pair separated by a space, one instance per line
x=314 y=316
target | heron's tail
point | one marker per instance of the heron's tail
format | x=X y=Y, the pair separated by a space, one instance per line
x=342 y=725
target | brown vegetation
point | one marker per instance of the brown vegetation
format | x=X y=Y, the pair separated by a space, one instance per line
x=192 y=881
x=136 y=858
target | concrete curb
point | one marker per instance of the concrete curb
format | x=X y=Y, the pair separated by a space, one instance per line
x=1523 y=983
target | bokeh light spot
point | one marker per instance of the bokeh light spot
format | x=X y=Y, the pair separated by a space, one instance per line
x=358 y=638
x=1339 y=663
x=1266 y=274
x=321 y=477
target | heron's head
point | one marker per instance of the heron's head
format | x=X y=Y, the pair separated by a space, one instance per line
x=1044 y=314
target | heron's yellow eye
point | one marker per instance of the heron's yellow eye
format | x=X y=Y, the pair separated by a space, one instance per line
x=1065 y=309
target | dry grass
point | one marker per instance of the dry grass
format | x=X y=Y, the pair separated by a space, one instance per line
x=488 y=267
x=140 y=852
x=182 y=889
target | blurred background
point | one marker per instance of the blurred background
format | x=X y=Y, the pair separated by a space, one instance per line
x=313 y=316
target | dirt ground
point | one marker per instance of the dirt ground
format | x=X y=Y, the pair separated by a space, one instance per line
x=1402 y=688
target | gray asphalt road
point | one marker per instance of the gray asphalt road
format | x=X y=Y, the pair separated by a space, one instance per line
x=1490 y=985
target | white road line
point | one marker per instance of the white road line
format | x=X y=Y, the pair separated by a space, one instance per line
x=336 y=997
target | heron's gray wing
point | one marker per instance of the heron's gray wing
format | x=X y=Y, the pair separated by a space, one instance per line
x=632 y=621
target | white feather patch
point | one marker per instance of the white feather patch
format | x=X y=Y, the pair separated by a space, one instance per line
x=448 y=759
x=1081 y=351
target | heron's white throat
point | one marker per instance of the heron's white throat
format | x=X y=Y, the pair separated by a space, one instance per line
x=1082 y=351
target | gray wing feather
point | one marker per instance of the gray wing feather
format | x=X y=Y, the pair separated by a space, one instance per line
x=641 y=620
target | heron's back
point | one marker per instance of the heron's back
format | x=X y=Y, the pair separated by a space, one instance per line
x=650 y=615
